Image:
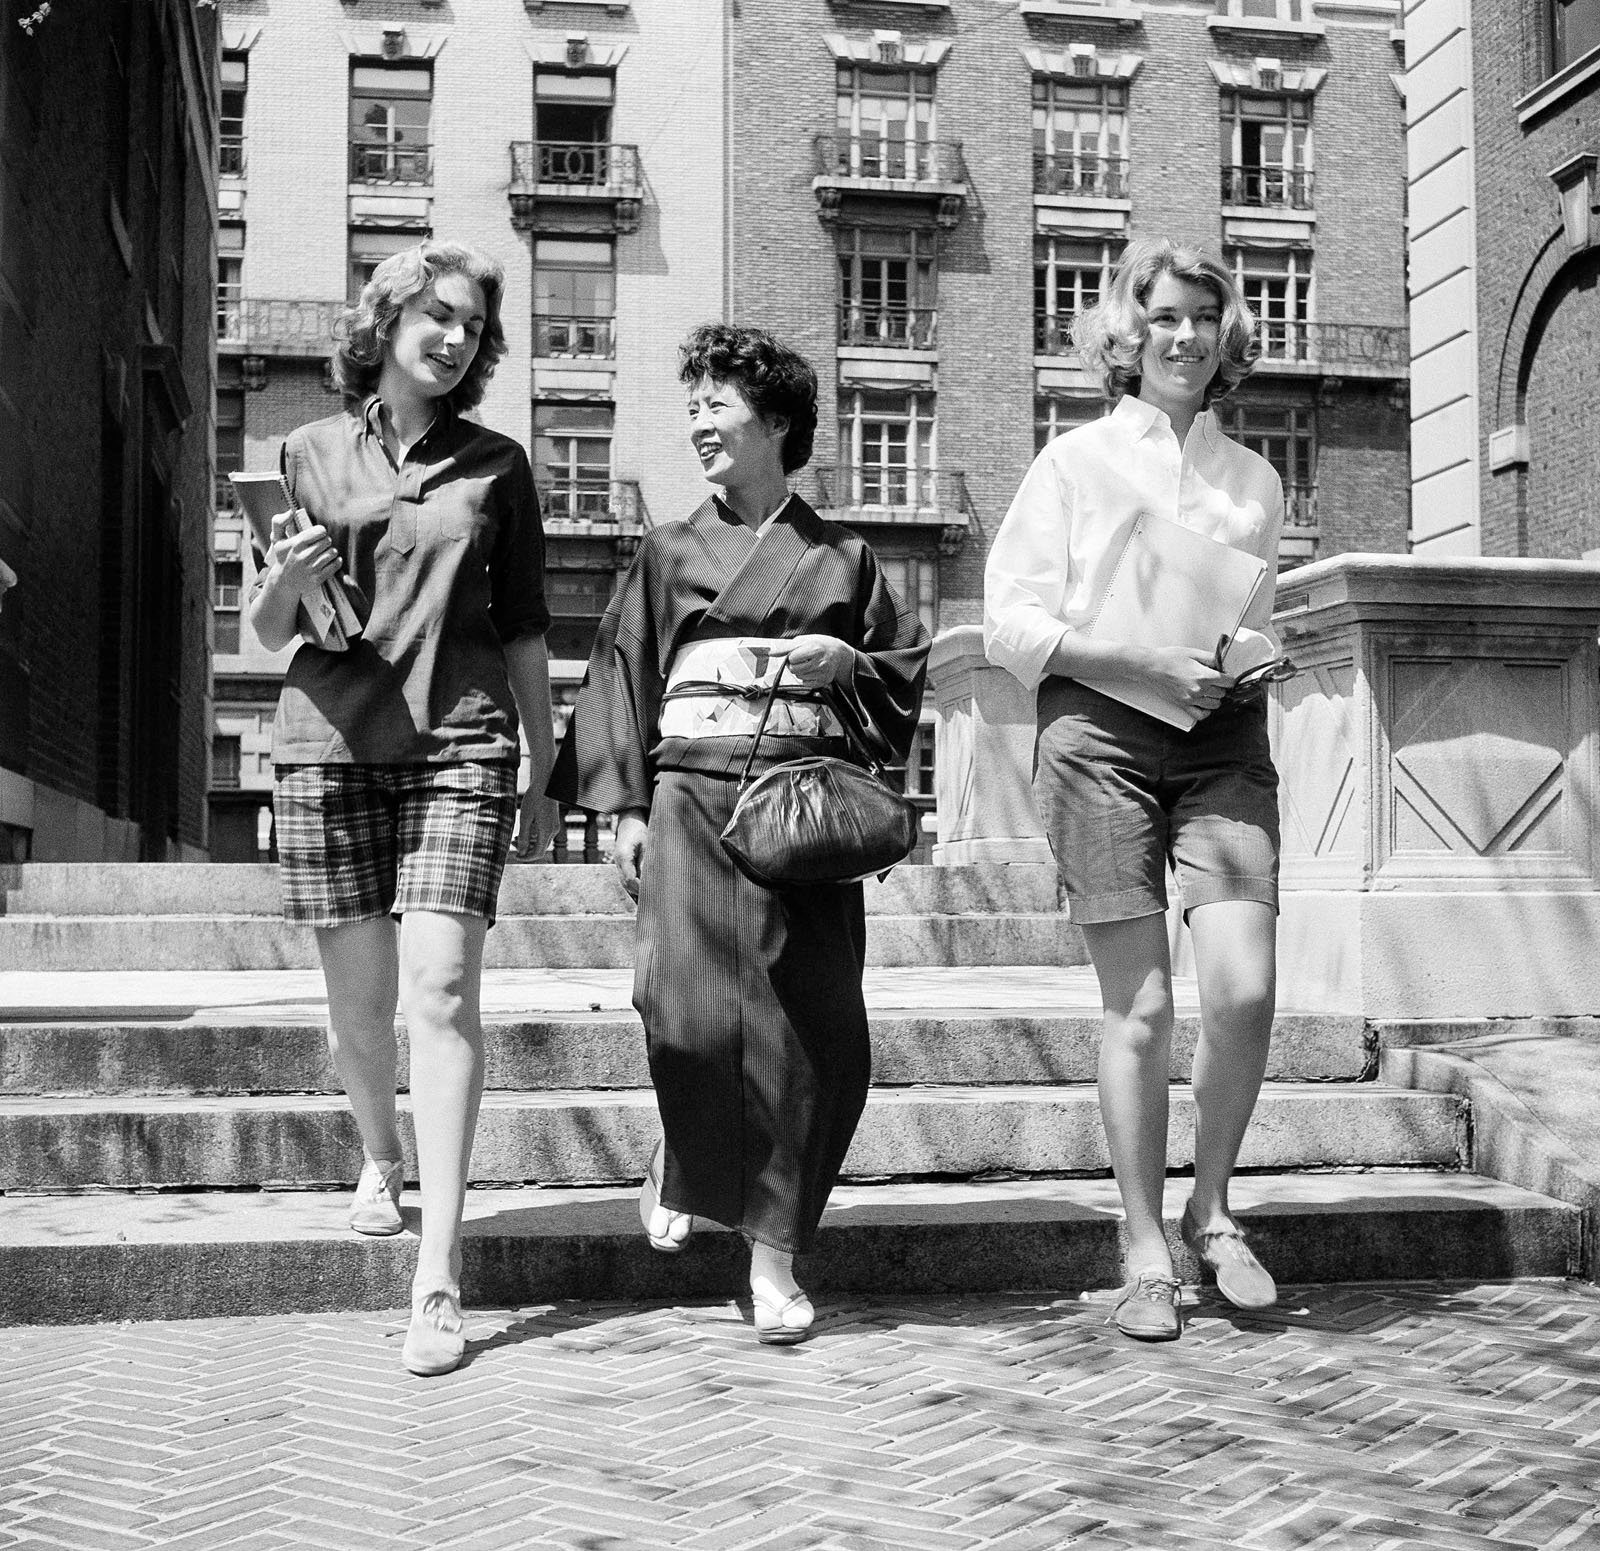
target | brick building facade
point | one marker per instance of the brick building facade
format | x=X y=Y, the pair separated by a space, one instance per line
x=1504 y=107
x=107 y=212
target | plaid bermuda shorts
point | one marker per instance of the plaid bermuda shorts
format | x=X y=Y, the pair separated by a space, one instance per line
x=359 y=842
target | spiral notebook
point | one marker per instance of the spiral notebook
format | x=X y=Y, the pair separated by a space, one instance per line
x=1172 y=587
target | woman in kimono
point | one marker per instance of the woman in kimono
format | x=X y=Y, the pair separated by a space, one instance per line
x=751 y=998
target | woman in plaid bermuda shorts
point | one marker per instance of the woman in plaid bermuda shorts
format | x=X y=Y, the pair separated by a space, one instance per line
x=396 y=761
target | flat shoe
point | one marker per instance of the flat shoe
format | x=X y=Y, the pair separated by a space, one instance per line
x=1148 y=1307
x=436 y=1338
x=650 y=1199
x=1241 y=1278
x=376 y=1208
x=782 y=1323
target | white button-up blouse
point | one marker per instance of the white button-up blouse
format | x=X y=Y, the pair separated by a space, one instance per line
x=1053 y=556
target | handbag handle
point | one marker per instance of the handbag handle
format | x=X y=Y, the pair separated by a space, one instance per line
x=827 y=697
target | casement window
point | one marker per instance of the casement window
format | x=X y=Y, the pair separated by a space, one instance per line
x=1276 y=284
x=369 y=248
x=572 y=124
x=1054 y=413
x=1266 y=150
x=1080 y=138
x=391 y=108
x=574 y=296
x=915 y=580
x=890 y=446
x=226 y=760
x=1574 y=30
x=230 y=128
x=230 y=281
x=1286 y=436
x=885 y=122
x=572 y=459
x=888 y=281
x=1269 y=10
x=230 y=426
x=1070 y=275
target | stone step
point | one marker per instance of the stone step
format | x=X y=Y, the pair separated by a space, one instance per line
x=67 y=1259
x=72 y=889
x=605 y=1049
x=566 y=1137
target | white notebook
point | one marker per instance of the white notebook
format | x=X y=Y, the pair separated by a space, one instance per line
x=1172 y=587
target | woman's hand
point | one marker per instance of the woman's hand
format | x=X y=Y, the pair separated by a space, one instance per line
x=629 y=856
x=538 y=819
x=820 y=659
x=300 y=562
x=1188 y=676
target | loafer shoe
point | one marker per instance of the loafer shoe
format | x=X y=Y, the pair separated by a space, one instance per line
x=376 y=1208
x=1148 y=1307
x=436 y=1338
x=1241 y=1278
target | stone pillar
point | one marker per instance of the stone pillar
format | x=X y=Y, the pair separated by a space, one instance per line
x=1438 y=756
x=984 y=750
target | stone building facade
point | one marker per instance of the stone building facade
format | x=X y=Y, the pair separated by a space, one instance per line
x=1504 y=109
x=108 y=194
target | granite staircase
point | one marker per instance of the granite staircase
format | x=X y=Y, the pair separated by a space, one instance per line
x=173 y=1143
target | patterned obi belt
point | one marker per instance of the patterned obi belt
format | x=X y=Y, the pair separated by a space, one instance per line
x=715 y=689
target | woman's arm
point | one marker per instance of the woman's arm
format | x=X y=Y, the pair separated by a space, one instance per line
x=1181 y=674
x=297 y=564
x=528 y=669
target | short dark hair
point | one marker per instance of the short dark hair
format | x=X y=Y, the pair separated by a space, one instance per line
x=774 y=379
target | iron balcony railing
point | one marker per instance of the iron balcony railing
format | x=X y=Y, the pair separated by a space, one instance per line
x=1370 y=349
x=1082 y=173
x=230 y=148
x=1052 y=335
x=885 y=156
x=933 y=495
x=1298 y=542
x=556 y=334
x=381 y=161
x=887 y=324
x=1276 y=188
x=280 y=327
x=576 y=164
x=604 y=503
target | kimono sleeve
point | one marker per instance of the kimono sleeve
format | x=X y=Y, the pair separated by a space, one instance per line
x=891 y=659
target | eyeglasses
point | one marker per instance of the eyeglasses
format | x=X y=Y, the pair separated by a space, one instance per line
x=1257 y=678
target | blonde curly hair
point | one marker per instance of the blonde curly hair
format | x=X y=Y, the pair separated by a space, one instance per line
x=1111 y=335
x=364 y=330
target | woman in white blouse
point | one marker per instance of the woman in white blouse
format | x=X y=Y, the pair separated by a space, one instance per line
x=1122 y=792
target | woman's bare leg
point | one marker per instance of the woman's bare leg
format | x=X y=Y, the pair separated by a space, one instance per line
x=1235 y=952
x=360 y=965
x=1132 y=962
x=441 y=974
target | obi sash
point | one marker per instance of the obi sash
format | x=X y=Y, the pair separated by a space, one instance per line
x=715 y=689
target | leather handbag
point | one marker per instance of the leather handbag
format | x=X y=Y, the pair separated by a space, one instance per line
x=819 y=820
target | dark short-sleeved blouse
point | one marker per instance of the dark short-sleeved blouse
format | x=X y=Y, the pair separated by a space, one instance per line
x=450 y=552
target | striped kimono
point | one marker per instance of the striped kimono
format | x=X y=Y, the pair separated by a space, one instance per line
x=751 y=998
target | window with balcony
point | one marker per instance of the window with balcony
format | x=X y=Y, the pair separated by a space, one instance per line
x=1574 y=30
x=1266 y=151
x=572 y=460
x=572 y=125
x=885 y=123
x=888 y=282
x=227 y=588
x=1070 y=275
x=1054 y=413
x=227 y=758
x=577 y=601
x=574 y=297
x=1286 y=436
x=230 y=281
x=230 y=426
x=369 y=248
x=915 y=581
x=888 y=440
x=1276 y=283
x=391 y=107
x=230 y=128
x=1080 y=138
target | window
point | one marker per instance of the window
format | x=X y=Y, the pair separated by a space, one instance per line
x=572 y=459
x=368 y=249
x=887 y=287
x=574 y=297
x=1080 y=138
x=572 y=123
x=890 y=446
x=1266 y=151
x=230 y=426
x=1054 y=413
x=225 y=762
x=1276 y=283
x=1269 y=10
x=1574 y=31
x=1070 y=275
x=885 y=123
x=230 y=282
x=390 y=109
x=577 y=600
x=230 y=135
x=1286 y=437
x=920 y=762
x=227 y=584
x=915 y=580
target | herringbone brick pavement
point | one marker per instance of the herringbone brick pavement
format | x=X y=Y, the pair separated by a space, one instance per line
x=1391 y=1418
